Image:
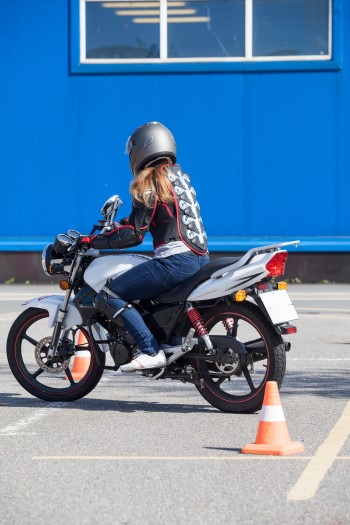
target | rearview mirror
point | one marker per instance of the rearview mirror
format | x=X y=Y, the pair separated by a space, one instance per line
x=110 y=208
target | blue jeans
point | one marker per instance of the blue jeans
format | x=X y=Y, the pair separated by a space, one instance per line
x=148 y=280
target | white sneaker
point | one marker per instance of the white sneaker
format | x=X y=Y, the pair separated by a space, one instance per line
x=145 y=361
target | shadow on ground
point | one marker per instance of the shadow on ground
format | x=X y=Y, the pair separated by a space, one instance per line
x=319 y=383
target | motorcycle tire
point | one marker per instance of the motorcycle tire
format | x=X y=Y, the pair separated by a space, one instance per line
x=234 y=388
x=26 y=354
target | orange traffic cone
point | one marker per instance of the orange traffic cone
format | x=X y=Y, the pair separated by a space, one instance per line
x=82 y=358
x=272 y=436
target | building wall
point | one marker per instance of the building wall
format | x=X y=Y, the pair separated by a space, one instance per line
x=267 y=151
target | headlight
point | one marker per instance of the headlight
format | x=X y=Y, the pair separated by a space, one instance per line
x=46 y=258
x=52 y=263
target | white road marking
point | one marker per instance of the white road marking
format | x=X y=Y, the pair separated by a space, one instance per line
x=322 y=309
x=5 y=297
x=239 y=457
x=310 y=479
x=166 y=458
x=319 y=358
x=315 y=295
x=9 y=316
x=15 y=429
x=317 y=316
x=332 y=296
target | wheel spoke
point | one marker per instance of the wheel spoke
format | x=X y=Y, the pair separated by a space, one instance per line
x=220 y=380
x=37 y=373
x=30 y=339
x=234 y=329
x=248 y=378
x=70 y=377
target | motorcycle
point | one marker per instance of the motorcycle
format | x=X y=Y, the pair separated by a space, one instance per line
x=222 y=329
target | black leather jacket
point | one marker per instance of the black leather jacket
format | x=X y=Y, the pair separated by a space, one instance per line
x=179 y=220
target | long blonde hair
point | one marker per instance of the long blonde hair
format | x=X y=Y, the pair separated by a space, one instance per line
x=149 y=183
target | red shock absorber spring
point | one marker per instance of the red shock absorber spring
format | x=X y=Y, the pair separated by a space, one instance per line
x=197 y=322
x=228 y=324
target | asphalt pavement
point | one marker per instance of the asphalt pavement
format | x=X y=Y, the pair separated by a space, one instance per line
x=136 y=451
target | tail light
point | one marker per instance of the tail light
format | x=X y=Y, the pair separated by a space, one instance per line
x=287 y=328
x=276 y=265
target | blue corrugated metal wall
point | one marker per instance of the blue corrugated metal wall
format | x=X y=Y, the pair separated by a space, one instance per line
x=267 y=151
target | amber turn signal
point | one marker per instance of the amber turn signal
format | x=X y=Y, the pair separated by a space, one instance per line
x=64 y=285
x=240 y=295
x=282 y=285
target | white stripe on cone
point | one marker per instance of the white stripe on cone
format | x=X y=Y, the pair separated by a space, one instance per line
x=272 y=413
x=82 y=353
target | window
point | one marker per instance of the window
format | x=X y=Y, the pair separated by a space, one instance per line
x=159 y=30
x=293 y=28
x=198 y=31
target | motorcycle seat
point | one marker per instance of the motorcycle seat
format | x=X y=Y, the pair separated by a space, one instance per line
x=180 y=292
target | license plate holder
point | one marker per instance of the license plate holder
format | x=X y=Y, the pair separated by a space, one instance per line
x=278 y=306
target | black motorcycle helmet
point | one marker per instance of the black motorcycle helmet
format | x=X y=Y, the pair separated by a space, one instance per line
x=150 y=142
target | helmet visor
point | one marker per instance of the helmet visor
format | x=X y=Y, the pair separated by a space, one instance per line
x=128 y=146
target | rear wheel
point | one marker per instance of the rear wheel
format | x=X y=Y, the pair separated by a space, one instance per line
x=69 y=376
x=239 y=385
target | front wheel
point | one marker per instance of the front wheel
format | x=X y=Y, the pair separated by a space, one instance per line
x=70 y=375
x=238 y=384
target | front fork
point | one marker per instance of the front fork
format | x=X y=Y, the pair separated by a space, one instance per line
x=58 y=327
x=57 y=332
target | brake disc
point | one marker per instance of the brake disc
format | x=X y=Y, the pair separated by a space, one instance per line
x=54 y=365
